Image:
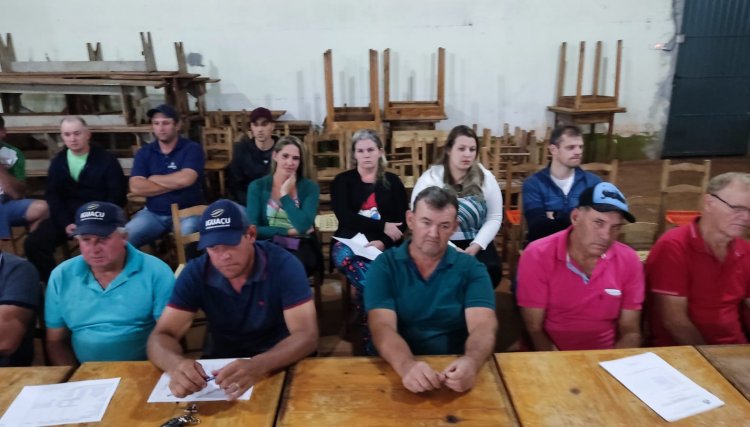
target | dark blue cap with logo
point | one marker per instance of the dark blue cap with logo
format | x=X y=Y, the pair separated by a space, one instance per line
x=223 y=223
x=166 y=110
x=99 y=219
x=605 y=197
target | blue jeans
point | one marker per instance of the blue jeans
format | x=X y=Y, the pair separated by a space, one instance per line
x=12 y=214
x=145 y=226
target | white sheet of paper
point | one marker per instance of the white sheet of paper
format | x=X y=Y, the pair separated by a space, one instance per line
x=212 y=392
x=663 y=388
x=66 y=403
x=357 y=245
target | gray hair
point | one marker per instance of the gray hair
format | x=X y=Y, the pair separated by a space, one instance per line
x=437 y=198
x=372 y=135
x=718 y=182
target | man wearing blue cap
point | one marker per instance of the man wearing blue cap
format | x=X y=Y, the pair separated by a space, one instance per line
x=103 y=304
x=257 y=300
x=168 y=170
x=580 y=289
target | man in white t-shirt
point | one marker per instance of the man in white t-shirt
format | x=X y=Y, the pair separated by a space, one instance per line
x=551 y=194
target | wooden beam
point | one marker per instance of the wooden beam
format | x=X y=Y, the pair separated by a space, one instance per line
x=617 y=71
x=7 y=52
x=386 y=79
x=53 y=120
x=95 y=53
x=12 y=79
x=441 y=77
x=597 y=63
x=561 y=73
x=76 y=66
x=181 y=61
x=328 y=75
x=65 y=89
x=579 y=86
x=374 y=86
x=148 y=51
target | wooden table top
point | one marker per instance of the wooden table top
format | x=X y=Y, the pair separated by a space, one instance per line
x=733 y=361
x=570 y=388
x=362 y=391
x=137 y=379
x=14 y=379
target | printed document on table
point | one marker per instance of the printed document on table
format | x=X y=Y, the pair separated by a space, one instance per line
x=212 y=392
x=663 y=388
x=55 y=404
x=357 y=245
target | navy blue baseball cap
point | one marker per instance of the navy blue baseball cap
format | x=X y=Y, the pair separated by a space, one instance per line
x=99 y=219
x=166 y=110
x=605 y=197
x=223 y=223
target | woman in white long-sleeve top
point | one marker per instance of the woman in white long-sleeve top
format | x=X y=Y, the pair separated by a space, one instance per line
x=480 y=201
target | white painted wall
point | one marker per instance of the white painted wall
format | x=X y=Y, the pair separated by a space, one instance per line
x=501 y=54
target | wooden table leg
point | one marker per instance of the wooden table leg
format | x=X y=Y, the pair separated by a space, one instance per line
x=610 y=130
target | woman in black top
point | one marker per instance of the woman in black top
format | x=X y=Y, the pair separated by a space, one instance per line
x=366 y=200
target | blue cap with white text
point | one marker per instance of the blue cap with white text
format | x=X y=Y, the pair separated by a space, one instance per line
x=98 y=218
x=223 y=223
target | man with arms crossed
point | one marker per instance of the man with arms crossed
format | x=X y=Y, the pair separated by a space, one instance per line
x=257 y=300
x=551 y=194
x=424 y=297
x=168 y=170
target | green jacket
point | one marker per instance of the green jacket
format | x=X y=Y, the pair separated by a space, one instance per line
x=302 y=217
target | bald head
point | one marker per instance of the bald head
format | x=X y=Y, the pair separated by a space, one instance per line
x=75 y=134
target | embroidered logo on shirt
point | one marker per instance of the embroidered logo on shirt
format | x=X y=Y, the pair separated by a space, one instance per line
x=613 y=292
x=171 y=165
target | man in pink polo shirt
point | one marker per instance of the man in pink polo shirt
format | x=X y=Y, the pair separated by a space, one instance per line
x=580 y=289
x=699 y=274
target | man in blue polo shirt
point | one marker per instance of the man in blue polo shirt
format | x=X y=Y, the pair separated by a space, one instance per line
x=104 y=302
x=425 y=297
x=168 y=170
x=257 y=300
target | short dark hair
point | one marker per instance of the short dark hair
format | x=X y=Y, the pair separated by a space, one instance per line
x=2 y=122
x=560 y=131
x=437 y=198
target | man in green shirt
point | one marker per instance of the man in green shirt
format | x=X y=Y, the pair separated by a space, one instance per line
x=425 y=297
x=14 y=209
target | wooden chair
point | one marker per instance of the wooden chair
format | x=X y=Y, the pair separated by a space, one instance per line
x=430 y=111
x=515 y=229
x=217 y=145
x=606 y=171
x=667 y=188
x=408 y=158
x=641 y=234
x=346 y=117
x=326 y=223
x=180 y=239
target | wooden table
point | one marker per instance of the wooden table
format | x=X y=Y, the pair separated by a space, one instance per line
x=361 y=391
x=733 y=361
x=570 y=388
x=137 y=379
x=14 y=379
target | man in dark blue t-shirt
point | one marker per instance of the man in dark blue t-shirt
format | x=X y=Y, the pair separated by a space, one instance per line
x=168 y=170
x=257 y=301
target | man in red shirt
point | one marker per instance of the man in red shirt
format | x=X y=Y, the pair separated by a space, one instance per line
x=698 y=275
